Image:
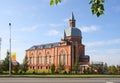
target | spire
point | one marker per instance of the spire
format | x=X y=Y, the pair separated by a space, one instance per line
x=72 y=21
x=64 y=35
x=72 y=16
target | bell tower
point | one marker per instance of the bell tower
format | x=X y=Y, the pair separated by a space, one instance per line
x=72 y=21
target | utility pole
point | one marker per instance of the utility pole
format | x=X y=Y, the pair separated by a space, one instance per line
x=10 y=50
x=0 y=47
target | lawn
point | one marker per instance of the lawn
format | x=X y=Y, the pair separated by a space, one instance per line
x=64 y=76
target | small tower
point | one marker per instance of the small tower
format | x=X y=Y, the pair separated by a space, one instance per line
x=64 y=36
x=72 y=21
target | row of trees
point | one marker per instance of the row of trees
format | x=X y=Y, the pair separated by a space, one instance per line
x=102 y=69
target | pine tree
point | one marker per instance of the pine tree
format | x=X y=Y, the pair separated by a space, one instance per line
x=105 y=67
x=76 y=65
x=5 y=64
x=25 y=64
x=52 y=68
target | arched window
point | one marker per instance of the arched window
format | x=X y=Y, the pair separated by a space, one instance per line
x=30 y=60
x=60 y=59
x=40 y=59
x=47 y=60
x=50 y=60
x=37 y=59
x=63 y=58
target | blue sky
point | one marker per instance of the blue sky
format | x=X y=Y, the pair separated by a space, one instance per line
x=35 y=22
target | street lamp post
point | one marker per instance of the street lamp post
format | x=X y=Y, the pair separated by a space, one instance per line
x=10 y=50
x=0 y=47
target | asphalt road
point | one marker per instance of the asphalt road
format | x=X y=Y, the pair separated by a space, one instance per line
x=59 y=80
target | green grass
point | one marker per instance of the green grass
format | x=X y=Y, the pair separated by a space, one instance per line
x=64 y=76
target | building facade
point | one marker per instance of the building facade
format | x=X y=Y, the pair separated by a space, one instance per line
x=65 y=52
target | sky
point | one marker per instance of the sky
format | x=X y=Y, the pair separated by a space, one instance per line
x=35 y=22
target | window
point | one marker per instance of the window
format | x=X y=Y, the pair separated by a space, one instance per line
x=60 y=59
x=33 y=60
x=47 y=60
x=46 y=67
x=37 y=58
x=64 y=59
x=30 y=60
x=40 y=59
x=50 y=61
x=39 y=67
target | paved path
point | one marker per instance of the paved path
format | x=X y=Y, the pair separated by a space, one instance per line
x=59 y=80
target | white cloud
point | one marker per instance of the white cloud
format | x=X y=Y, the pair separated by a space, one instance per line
x=30 y=29
x=55 y=25
x=66 y=20
x=52 y=33
x=90 y=51
x=110 y=60
x=113 y=51
x=102 y=43
x=89 y=28
x=110 y=56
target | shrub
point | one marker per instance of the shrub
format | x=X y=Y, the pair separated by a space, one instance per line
x=30 y=71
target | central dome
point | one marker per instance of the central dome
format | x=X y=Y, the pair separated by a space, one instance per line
x=73 y=32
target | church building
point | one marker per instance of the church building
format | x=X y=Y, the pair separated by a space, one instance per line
x=65 y=52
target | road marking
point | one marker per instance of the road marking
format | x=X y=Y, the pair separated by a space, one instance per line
x=109 y=82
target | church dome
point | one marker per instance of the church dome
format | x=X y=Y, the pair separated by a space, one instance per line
x=73 y=32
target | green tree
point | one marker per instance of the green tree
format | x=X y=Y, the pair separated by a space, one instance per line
x=52 y=68
x=92 y=69
x=25 y=64
x=76 y=65
x=16 y=68
x=1 y=71
x=99 y=69
x=97 y=6
x=105 y=68
x=60 y=68
x=118 y=68
x=113 y=69
x=52 y=2
x=87 y=71
x=5 y=64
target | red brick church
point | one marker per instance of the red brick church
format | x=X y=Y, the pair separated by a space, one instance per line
x=40 y=57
